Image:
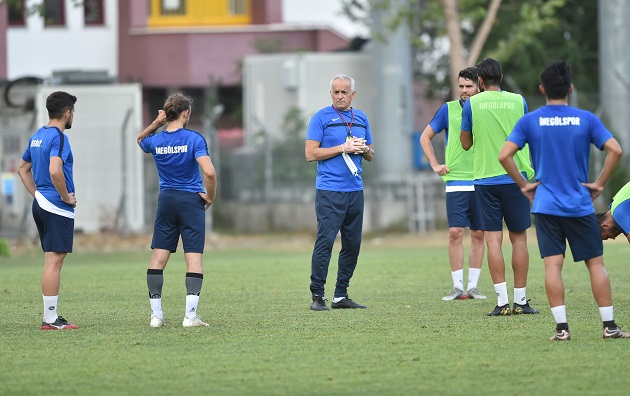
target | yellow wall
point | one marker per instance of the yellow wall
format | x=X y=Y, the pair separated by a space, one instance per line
x=199 y=13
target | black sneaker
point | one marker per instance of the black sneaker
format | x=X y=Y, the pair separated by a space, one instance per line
x=503 y=310
x=524 y=309
x=319 y=304
x=346 y=303
x=59 y=324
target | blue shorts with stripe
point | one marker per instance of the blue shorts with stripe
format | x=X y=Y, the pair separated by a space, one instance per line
x=56 y=233
x=503 y=202
x=180 y=213
x=583 y=235
x=461 y=210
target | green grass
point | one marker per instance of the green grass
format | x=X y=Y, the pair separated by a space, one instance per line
x=264 y=340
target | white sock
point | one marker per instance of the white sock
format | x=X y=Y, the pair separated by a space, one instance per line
x=458 y=279
x=50 y=308
x=473 y=277
x=337 y=299
x=191 y=305
x=560 y=313
x=519 y=296
x=606 y=313
x=502 y=296
x=156 y=307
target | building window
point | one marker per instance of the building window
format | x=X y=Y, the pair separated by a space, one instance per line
x=54 y=13
x=16 y=12
x=93 y=12
x=173 y=7
x=238 y=7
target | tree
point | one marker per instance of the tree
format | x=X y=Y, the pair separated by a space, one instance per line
x=449 y=35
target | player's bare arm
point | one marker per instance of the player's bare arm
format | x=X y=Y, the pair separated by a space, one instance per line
x=613 y=155
x=466 y=139
x=314 y=152
x=210 y=179
x=59 y=181
x=159 y=122
x=25 y=171
x=425 y=142
x=506 y=158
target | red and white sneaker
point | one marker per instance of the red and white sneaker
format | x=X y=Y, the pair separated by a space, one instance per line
x=59 y=324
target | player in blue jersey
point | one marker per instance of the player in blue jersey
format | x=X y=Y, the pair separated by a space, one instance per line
x=46 y=171
x=178 y=153
x=338 y=138
x=457 y=173
x=560 y=138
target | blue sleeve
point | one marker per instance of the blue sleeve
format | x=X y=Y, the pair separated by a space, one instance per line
x=27 y=153
x=519 y=134
x=145 y=144
x=368 y=132
x=599 y=134
x=622 y=216
x=54 y=147
x=466 y=117
x=525 y=108
x=66 y=149
x=315 y=129
x=439 y=122
x=200 y=146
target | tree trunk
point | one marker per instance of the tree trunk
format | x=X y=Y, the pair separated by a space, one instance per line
x=457 y=56
x=456 y=52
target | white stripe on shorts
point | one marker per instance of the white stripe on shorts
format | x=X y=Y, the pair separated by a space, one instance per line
x=459 y=188
x=49 y=207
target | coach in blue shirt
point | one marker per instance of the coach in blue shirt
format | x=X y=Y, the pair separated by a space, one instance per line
x=338 y=138
x=46 y=171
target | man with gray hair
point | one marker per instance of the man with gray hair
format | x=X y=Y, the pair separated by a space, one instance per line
x=338 y=138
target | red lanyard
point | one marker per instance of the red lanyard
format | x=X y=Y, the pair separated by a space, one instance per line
x=349 y=126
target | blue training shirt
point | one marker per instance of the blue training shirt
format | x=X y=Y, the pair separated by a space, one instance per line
x=559 y=139
x=330 y=129
x=175 y=155
x=50 y=142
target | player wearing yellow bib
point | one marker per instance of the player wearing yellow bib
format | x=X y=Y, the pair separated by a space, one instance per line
x=617 y=220
x=488 y=118
x=457 y=173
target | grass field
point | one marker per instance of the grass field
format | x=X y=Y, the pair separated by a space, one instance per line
x=263 y=338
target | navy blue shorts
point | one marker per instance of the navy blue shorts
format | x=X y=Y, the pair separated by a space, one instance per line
x=56 y=233
x=180 y=213
x=503 y=202
x=461 y=210
x=582 y=233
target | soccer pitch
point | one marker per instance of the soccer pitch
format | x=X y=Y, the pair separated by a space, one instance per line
x=264 y=340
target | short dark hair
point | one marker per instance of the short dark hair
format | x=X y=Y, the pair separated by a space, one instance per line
x=470 y=73
x=556 y=79
x=490 y=71
x=58 y=103
x=175 y=105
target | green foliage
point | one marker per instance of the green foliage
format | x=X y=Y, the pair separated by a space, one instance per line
x=263 y=339
x=5 y=249
x=525 y=36
x=290 y=165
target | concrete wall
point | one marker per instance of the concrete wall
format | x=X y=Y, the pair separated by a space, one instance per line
x=108 y=164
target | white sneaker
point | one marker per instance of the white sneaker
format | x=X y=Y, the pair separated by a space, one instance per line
x=194 y=322
x=156 y=321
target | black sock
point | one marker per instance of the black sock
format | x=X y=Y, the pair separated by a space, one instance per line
x=562 y=326
x=194 y=281
x=155 y=281
x=610 y=324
